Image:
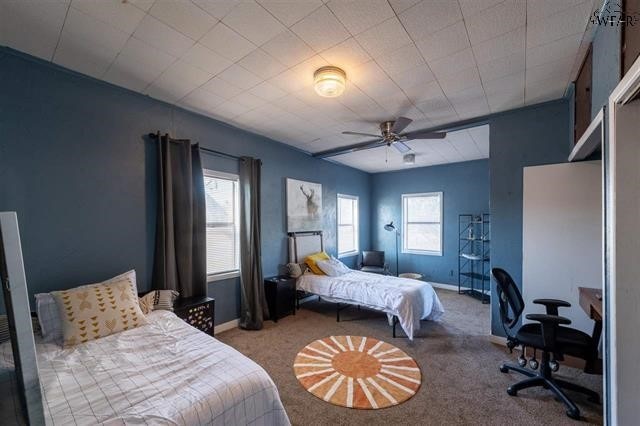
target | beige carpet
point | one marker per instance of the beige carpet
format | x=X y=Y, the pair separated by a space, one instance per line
x=461 y=384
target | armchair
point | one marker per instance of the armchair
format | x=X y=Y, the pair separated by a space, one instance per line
x=373 y=261
x=547 y=334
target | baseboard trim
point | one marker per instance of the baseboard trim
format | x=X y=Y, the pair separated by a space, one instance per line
x=498 y=340
x=226 y=326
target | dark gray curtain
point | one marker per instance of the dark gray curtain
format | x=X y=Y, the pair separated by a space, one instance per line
x=180 y=253
x=253 y=302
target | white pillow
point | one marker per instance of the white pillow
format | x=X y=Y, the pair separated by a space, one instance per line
x=333 y=267
x=49 y=316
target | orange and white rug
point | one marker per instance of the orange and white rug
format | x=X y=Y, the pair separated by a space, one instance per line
x=357 y=372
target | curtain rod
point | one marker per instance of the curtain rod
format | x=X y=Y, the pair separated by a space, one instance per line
x=206 y=150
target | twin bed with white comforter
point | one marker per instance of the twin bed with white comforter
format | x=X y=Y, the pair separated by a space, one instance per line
x=163 y=373
x=407 y=299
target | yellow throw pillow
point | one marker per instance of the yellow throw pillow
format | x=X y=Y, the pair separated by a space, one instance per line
x=88 y=313
x=312 y=259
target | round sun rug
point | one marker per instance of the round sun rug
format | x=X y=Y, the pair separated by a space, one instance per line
x=357 y=372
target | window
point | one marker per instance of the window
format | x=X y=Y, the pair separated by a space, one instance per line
x=347 y=225
x=223 y=212
x=422 y=223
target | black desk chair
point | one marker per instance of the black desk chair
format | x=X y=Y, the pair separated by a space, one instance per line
x=547 y=335
x=373 y=261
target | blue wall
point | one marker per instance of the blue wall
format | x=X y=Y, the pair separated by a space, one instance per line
x=465 y=188
x=76 y=166
x=526 y=137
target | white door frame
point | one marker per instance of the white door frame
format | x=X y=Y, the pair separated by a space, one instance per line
x=621 y=376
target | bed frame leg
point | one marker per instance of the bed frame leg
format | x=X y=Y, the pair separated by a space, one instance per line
x=337 y=312
x=394 y=321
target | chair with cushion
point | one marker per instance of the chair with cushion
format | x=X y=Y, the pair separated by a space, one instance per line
x=373 y=261
x=548 y=334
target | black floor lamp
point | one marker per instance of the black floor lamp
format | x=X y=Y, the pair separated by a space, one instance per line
x=392 y=228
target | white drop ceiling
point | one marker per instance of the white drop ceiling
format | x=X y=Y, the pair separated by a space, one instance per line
x=251 y=63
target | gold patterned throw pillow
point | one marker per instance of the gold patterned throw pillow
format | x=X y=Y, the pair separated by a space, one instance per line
x=89 y=313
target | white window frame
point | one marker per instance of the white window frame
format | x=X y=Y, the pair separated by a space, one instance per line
x=405 y=228
x=356 y=225
x=225 y=275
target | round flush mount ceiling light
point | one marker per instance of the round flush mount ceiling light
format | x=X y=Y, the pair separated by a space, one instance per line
x=329 y=82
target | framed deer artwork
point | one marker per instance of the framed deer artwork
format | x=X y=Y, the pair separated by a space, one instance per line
x=304 y=206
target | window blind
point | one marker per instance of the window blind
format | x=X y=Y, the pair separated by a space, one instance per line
x=347 y=224
x=222 y=201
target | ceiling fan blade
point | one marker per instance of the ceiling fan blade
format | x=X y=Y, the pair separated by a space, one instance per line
x=424 y=135
x=401 y=147
x=400 y=124
x=362 y=134
x=347 y=149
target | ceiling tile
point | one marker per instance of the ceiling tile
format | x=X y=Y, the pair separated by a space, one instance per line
x=268 y=91
x=290 y=11
x=78 y=25
x=444 y=42
x=300 y=76
x=162 y=36
x=384 y=38
x=501 y=67
x=540 y=9
x=445 y=67
x=513 y=83
x=183 y=16
x=261 y=64
x=359 y=15
x=177 y=81
x=143 y=5
x=31 y=27
x=222 y=88
x=206 y=59
x=497 y=20
x=240 y=77
x=437 y=107
x=288 y=48
x=559 y=25
x=425 y=92
x=249 y=100
x=321 y=29
x=216 y=8
x=230 y=109
x=414 y=79
x=558 y=70
x=201 y=101
x=400 y=6
x=137 y=65
x=367 y=75
x=401 y=60
x=556 y=50
x=81 y=55
x=226 y=42
x=347 y=55
x=253 y=22
x=123 y=16
x=544 y=90
x=503 y=101
x=501 y=46
x=430 y=16
x=461 y=80
x=472 y=7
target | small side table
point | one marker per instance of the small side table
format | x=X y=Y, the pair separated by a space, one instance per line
x=197 y=311
x=280 y=292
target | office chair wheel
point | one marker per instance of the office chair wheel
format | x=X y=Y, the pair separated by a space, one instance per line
x=533 y=363
x=554 y=366
x=504 y=369
x=511 y=391
x=574 y=414
x=522 y=361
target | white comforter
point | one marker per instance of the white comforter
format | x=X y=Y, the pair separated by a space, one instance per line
x=410 y=300
x=164 y=373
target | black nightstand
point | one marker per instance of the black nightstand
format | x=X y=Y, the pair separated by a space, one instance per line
x=197 y=311
x=281 y=296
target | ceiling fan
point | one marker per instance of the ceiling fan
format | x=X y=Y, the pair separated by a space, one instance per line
x=390 y=135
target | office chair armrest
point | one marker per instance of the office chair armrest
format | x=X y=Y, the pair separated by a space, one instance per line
x=549 y=324
x=552 y=305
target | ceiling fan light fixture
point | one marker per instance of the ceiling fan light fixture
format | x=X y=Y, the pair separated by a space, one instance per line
x=329 y=82
x=409 y=159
